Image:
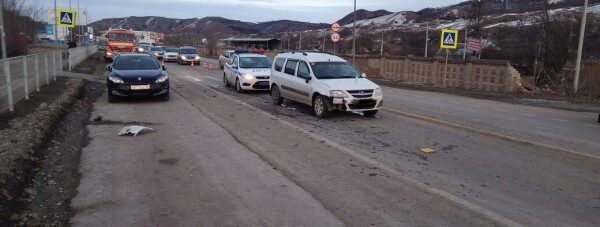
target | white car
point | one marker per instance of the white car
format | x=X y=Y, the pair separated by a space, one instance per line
x=171 y=54
x=247 y=72
x=325 y=82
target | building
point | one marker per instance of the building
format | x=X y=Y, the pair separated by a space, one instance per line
x=149 y=37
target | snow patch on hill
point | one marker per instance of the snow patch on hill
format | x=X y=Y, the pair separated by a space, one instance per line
x=394 y=19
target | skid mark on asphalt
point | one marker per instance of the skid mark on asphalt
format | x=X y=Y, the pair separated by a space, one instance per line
x=501 y=110
x=526 y=114
x=556 y=119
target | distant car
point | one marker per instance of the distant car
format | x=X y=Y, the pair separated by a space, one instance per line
x=136 y=75
x=224 y=58
x=247 y=72
x=156 y=52
x=171 y=54
x=324 y=81
x=188 y=55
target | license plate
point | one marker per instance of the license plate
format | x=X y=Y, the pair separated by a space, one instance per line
x=140 y=87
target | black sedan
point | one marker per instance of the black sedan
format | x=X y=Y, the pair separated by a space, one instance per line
x=132 y=75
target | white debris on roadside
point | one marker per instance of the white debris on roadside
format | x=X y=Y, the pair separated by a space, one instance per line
x=134 y=130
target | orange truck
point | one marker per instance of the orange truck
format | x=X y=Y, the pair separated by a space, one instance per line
x=119 y=41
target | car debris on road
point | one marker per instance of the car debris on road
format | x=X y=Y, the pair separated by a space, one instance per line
x=134 y=130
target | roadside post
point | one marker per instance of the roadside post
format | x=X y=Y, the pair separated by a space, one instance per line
x=37 y=72
x=448 y=41
x=46 y=67
x=5 y=62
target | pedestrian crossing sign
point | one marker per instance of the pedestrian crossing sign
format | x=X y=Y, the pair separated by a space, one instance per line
x=65 y=18
x=449 y=39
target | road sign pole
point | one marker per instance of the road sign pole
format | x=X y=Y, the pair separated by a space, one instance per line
x=446 y=68
x=381 y=49
x=354 y=36
x=55 y=26
x=25 y=79
x=580 y=48
x=426 y=41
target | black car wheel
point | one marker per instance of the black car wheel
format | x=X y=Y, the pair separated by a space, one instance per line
x=225 y=81
x=165 y=97
x=238 y=86
x=320 y=106
x=276 y=98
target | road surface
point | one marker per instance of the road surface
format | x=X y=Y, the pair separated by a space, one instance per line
x=222 y=158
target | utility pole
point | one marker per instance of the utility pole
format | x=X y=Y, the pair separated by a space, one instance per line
x=580 y=48
x=426 y=41
x=56 y=26
x=465 y=45
x=354 y=36
x=5 y=64
x=381 y=49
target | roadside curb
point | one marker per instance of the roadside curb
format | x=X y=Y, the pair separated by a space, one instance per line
x=488 y=133
x=19 y=150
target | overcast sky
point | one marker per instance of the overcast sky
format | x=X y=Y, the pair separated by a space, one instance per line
x=325 y=11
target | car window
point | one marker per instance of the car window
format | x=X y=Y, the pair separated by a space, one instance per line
x=136 y=63
x=255 y=62
x=334 y=70
x=188 y=51
x=290 y=67
x=279 y=64
x=303 y=70
x=156 y=49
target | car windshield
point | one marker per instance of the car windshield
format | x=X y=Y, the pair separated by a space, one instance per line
x=188 y=51
x=156 y=49
x=255 y=62
x=120 y=37
x=334 y=70
x=135 y=63
x=171 y=50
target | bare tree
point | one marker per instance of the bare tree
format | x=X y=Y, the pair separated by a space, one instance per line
x=23 y=22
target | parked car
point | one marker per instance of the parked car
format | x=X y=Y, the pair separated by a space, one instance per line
x=136 y=75
x=171 y=54
x=325 y=82
x=157 y=52
x=247 y=72
x=188 y=55
x=224 y=58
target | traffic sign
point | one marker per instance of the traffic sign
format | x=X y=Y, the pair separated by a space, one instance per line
x=65 y=18
x=335 y=27
x=335 y=37
x=449 y=39
x=474 y=44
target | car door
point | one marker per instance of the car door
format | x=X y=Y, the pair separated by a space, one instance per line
x=287 y=80
x=227 y=69
x=302 y=85
x=233 y=72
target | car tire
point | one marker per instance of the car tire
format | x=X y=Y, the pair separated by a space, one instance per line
x=276 y=98
x=165 y=97
x=238 y=86
x=225 y=81
x=370 y=113
x=112 y=98
x=320 y=106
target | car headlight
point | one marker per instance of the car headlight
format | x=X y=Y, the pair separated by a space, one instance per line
x=248 y=77
x=155 y=54
x=162 y=79
x=183 y=57
x=337 y=94
x=197 y=58
x=377 y=92
x=140 y=49
x=115 y=79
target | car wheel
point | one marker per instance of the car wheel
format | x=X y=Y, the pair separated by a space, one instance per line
x=112 y=98
x=225 y=81
x=276 y=98
x=320 y=107
x=370 y=113
x=165 y=97
x=238 y=86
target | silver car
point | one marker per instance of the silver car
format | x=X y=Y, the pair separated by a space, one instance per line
x=171 y=54
x=156 y=52
x=188 y=55
x=247 y=72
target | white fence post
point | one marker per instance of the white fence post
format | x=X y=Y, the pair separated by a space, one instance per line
x=25 y=77
x=60 y=60
x=54 y=64
x=6 y=67
x=46 y=67
x=70 y=57
x=37 y=72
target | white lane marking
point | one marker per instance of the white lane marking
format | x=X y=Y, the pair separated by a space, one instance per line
x=556 y=119
x=526 y=114
x=193 y=78
x=433 y=190
x=455 y=102
x=501 y=110
x=473 y=105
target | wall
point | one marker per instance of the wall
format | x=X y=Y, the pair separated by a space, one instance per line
x=476 y=75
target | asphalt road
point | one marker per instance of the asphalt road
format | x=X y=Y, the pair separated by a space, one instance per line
x=222 y=158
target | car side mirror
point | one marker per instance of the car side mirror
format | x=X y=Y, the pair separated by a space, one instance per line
x=164 y=67
x=363 y=75
x=109 y=68
x=234 y=66
x=306 y=78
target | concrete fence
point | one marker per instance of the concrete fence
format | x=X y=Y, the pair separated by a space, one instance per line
x=25 y=74
x=77 y=55
x=476 y=75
